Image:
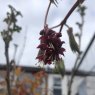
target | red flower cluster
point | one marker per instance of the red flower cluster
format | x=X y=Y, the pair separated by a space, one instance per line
x=50 y=46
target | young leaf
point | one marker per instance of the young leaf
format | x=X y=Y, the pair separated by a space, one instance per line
x=60 y=67
x=72 y=41
x=77 y=35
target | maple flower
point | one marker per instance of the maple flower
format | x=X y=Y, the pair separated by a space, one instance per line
x=50 y=47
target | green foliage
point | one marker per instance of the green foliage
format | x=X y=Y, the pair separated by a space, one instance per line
x=79 y=25
x=81 y=10
x=59 y=67
x=73 y=44
x=77 y=35
x=12 y=27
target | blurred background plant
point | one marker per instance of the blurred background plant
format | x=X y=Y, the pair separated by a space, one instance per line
x=81 y=11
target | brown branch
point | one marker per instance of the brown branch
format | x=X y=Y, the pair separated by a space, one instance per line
x=70 y=12
x=63 y=22
x=8 y=68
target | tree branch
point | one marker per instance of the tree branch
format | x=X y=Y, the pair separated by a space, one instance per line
x=8 y=68
x=63 y=22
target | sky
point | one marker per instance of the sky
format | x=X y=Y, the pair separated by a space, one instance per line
x=32 y=22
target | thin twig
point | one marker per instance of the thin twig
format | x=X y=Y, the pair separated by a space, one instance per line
x=55 y=26
x=45 y=22
x=23 y=48
x=72 y=76
x=67 y=26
